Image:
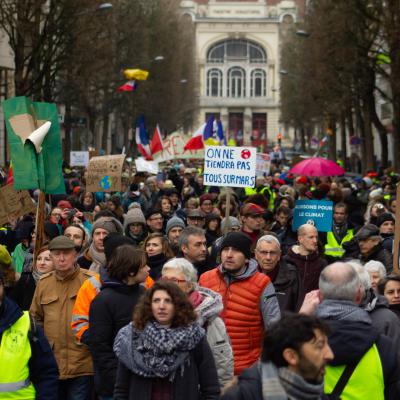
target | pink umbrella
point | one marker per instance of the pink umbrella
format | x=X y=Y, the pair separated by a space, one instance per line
x=317 y=166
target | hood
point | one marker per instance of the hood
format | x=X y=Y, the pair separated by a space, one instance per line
x=251 y=269
x=210 y=307
x=293 y=257
x=9 y=314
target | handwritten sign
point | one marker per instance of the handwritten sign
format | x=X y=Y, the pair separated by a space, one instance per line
x=317 y=212
x=263 y=164
x=104 y=173
x=14 y=203
x=174 y=149
x=79 y=158
x=143 y=165
x=230 y=166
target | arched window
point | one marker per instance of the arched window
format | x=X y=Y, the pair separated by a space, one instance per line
x=236 y=50
x=258 y=83
x=214 y=83
x=236 y=82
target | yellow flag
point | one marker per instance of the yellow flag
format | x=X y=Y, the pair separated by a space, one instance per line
x=136 y=74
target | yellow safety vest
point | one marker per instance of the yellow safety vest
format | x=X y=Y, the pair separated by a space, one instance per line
x=250 y=191
x=15 y=353
x=333 y=248
x=366 y=382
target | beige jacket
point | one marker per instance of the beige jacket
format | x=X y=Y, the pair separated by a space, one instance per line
x=52 y=307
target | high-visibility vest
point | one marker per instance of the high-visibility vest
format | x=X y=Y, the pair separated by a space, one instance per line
x=15 y=353
x=366 y=381
x=250 y=191
x=333 y=248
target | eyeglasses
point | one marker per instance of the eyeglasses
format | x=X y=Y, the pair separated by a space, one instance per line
x=266 y=253
x=175 y=280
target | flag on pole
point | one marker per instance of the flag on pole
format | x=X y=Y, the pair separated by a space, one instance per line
x=211 y=133
x=156 y=144
x=129 y=86
x=142 y=141
x=136 y=74
x=196 y=141
x=220 y=133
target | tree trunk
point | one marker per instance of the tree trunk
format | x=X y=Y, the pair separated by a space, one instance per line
x=332 y=139
x=104 y=136
x=361 y=130
x=369 y=141
x=343 y=137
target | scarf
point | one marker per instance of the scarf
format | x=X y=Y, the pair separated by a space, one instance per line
x=36 y=275
x=195 y=298
x=210 y=307
x=156 y=352
x=342 y=310
x=283 y=384
x=99 y=259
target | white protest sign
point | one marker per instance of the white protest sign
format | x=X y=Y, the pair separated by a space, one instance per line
x=230 y=166
x=263 y=164
x=143 y=165
x=79 y=158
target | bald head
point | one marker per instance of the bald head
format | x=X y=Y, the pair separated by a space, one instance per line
x=340 y=281
x=307 y=236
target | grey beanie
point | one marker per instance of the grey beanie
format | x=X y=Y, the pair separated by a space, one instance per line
x=172 y=223
x=234 y=222
x=109 y=224
x=134 y=214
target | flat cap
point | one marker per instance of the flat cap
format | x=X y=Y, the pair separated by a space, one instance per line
x=61 y=243
x=367 y=231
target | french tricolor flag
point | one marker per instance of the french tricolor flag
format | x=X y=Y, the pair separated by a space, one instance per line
x=142 y=141
x=129 y=86
x=156 y=144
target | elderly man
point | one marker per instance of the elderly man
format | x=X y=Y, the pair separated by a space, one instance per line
x=250 y=304
x=52 y=307
x=365 y=361
x=370 y=244
x=284 y=276
x=306 y=258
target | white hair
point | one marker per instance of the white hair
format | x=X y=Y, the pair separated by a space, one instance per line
x=363 y=275
x=375 y=266
x=269 y=239
x=183 y=266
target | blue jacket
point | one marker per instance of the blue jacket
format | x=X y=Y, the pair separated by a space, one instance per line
x=42 y=365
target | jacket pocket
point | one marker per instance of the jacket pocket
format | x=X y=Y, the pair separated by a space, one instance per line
x=48 y=300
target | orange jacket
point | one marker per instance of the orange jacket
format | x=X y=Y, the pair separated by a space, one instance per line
x=241 y=314
x=80 y=312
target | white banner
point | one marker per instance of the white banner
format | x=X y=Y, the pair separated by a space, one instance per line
x=79 y=158
x=143 y=165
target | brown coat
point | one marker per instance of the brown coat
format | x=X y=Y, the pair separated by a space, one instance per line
x=52 y=307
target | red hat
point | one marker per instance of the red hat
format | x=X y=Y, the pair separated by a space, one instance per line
x=302 y=179
x=280 y=181
x=251 y=209
x=205 y=197
x=64 y=204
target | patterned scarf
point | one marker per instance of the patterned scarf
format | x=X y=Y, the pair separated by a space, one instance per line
x=283 y=384
x=156 y=352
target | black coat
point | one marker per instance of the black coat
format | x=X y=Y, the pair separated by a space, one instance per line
x=156 y=264
x=199 y=380
x=379 y=253
x=110 y=310
x=22 y=293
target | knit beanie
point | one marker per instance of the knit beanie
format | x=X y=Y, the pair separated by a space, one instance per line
x=134 y=214
x=172 y=223
x=113 y=241
x=109 y=224
x=383 y=218
x=240 y=241
x=233 y=222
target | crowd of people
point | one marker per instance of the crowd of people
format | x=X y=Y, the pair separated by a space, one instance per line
x=157 y=293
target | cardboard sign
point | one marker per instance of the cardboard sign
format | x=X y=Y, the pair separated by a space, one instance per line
x=104 y=173
x=14 y=203
x=263 y=164
x=230 y=166
x=316 y=212
x=173 y=149
x=143 y=165
x=79 y=158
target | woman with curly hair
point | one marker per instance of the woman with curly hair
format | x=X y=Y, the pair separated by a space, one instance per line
x=158 y=251
x=163 y=353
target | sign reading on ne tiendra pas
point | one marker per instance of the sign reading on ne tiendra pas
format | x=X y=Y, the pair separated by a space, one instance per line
x=316 y=212
x=230 y=166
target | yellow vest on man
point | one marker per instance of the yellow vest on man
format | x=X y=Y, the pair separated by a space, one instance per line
x=335 y=249
x=366 y=381
x=15 y=353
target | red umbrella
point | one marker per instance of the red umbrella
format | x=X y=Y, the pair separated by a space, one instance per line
x=317 y=166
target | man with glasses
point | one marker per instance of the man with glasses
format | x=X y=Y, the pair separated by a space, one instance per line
x=154 y=221
x=284 y=276
x=195 y=218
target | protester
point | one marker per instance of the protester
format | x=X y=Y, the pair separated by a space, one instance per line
x=195 y=217
x=295 y=353
x=154 y=221
x=389 y=287
x=10 y=276
x=135 y=224
x=212 y=228
x=251 y=216
x=112 y=309
x=52 y=308
x=164 y=352
x=28 y=369
x=78 y=235
x=207 y=305
x=250 y=304
x=376 y=271
x=173 y=231
x=284 y=277
x=386 y=223
x=158 y=252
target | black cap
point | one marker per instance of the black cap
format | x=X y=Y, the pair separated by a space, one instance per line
x=367 y=231
x=240 y=241
x=383 y=218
